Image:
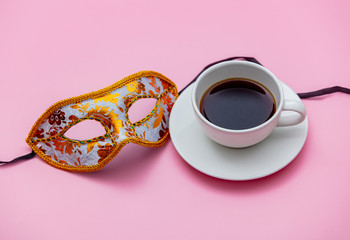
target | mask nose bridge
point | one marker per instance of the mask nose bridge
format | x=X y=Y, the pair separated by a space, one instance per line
x=153 y=126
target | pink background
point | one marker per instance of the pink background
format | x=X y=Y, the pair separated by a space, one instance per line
x=51 y=50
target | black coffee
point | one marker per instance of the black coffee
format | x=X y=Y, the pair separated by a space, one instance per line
x=237 y=104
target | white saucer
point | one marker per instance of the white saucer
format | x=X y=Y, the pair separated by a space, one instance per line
x=205 y=155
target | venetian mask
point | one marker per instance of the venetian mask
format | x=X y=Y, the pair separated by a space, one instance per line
x=109 y=107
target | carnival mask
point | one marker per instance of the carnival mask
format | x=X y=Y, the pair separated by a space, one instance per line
x=108 y=106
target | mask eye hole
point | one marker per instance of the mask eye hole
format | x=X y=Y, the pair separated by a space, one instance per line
x=85 y=130
x=141 y=108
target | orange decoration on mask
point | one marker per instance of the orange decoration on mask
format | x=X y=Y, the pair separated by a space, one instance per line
x=108 y=106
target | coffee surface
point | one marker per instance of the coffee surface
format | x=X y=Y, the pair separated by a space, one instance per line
x=237 y=104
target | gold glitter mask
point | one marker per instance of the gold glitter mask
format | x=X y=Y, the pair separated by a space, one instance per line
x=108 y=106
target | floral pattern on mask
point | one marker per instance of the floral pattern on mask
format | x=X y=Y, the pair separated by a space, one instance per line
x=110 y=107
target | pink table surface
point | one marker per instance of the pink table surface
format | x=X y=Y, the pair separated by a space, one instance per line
x=51 y=50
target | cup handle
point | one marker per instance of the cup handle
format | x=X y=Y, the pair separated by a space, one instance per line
x=292 y=118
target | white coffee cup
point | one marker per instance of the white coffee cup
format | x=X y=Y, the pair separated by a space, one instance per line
x=258 y=73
